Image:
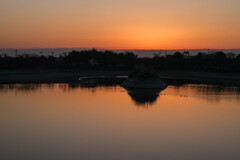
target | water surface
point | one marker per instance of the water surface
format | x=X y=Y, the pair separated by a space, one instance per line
x=70 y=122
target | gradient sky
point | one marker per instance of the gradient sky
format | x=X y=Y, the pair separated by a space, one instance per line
x=122 y=24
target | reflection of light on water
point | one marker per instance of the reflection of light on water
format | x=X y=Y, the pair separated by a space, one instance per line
x=68 y=121
x=210 y=93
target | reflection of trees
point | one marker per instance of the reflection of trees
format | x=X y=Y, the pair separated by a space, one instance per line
x=216 y=89
x=20 y=87
x=215 y=93
x=24 y=87
x=70 y=87
x=210 y=89
x=211 y=93
x=141 y=97
x=144 y=97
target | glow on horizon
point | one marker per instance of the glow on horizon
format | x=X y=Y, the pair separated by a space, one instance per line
x=125 y=24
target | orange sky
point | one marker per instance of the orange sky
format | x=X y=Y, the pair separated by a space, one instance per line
x=125 y=24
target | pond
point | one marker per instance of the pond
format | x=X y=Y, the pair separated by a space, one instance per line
x=72 y=122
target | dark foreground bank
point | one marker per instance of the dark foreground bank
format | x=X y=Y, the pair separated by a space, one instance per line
x=68 y=76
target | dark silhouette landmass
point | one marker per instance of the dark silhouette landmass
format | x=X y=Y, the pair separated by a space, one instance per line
x=144 y=77
x=216 y=67
x=94 y=59
x=74 y=60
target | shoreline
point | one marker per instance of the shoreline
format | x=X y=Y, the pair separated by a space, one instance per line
x=71 y=76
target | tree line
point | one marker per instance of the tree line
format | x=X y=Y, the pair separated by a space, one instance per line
x=94 y=59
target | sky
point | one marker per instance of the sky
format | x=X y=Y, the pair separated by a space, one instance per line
x=120 y=24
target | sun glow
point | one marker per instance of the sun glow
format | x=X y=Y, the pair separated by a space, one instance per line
x=120 y=24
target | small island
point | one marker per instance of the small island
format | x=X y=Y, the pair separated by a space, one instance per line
x=145 y=78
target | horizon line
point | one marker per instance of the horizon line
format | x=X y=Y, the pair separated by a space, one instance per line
x=89 y=48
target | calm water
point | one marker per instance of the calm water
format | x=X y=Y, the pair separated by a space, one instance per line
x=69 y=122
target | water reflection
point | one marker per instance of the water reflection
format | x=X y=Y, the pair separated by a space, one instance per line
x=209 y=93
x=71 y=121
x=141 y=97
x=29 y=87
x=144 y=97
